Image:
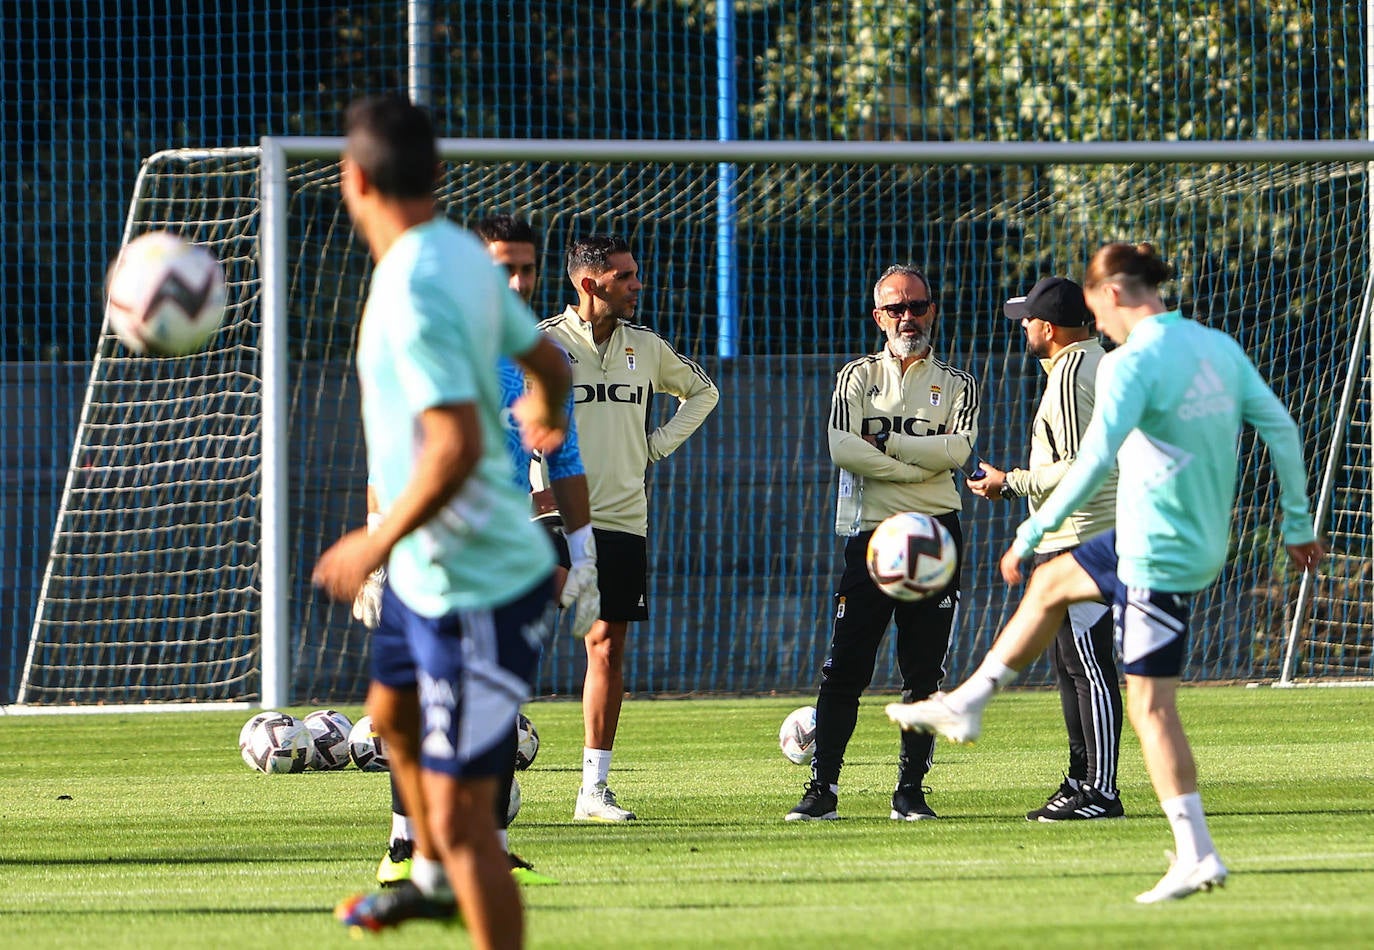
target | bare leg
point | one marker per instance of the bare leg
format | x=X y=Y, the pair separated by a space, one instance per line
x=396 y=717
x=1153 y=707
x=603 y=690
x=462 y=823
x=958 y=716
x=1152 y=704
x=1053 y=587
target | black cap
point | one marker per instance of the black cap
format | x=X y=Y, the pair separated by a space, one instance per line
x=1056 y=300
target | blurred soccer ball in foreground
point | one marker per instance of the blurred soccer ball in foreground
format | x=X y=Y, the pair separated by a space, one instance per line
x=911 y=556
x=165 y=295
x=274 y=742
x=797 y=737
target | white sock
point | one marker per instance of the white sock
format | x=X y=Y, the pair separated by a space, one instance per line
x=428 y=874
x=400 y=828
x=596 y=766
x=1192 y=840
x=991 y=675
x=503 y=838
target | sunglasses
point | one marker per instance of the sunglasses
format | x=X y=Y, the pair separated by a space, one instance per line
x=917 y=308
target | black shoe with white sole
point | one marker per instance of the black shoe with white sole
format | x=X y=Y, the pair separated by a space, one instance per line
x=1086 y=805
x=818 y=803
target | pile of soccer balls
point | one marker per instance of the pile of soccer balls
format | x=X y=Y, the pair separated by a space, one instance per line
x=326 y=740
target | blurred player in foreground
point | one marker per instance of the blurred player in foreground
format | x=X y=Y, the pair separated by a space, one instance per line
x=468 y=600
x=1170 y=403
x=563 y=510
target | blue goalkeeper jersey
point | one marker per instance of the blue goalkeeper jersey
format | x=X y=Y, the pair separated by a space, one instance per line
x=564 y=462
x=1170 y=403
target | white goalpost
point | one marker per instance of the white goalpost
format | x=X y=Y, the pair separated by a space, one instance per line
x=201 y=489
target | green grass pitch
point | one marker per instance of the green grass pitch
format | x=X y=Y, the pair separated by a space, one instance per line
x=148 y=831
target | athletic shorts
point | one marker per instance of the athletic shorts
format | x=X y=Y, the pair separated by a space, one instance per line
x=473 y=669
x=622 y=575
x=1151 y=626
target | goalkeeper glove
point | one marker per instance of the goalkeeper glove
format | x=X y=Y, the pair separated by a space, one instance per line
x=580 y=591
x=367 y=606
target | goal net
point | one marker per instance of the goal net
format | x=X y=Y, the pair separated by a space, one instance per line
x=191 y=517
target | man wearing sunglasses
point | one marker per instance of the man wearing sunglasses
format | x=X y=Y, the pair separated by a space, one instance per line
x=1059 y=331
x=902 y=422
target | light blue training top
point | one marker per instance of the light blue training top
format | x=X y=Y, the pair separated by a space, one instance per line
x=438 y=316
x=1170 y=403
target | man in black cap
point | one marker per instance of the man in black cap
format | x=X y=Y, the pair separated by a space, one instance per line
x=1059 y=331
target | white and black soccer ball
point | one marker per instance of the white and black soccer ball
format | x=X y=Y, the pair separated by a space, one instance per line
x=366 y=749
x=526 y=743
x=329 y=746
x=165 y=295
x=274 y=742
x=911 y=556
x=797 y=737
x=513 y=808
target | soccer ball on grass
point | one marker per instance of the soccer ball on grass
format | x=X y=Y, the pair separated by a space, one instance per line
x=329 y=745
x=274 y=742
x=911 y=556
x=165 y=295
x=526 y=743
x=797 y=737
x=366 y=748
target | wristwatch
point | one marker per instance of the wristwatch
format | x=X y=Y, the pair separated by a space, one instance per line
x=881 y=439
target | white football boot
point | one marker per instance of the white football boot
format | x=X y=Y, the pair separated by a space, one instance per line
x=936 y=716
x=1184 y=879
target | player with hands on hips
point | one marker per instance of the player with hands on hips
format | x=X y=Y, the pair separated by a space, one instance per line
x=618 y=367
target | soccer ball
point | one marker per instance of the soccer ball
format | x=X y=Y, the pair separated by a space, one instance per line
x=366 y=749
x=274 y=742
x=797 y=737
x=329 y=745
x=513 y=808
x=911 y=556
x=526 y=743
x=165 y=295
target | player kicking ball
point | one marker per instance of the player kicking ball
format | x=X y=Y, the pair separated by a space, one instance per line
x=1171 y=399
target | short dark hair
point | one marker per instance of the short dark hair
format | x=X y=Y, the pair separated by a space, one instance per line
x=506 y=228
x=906 y=270
x=590 y=253
x=392 y=141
